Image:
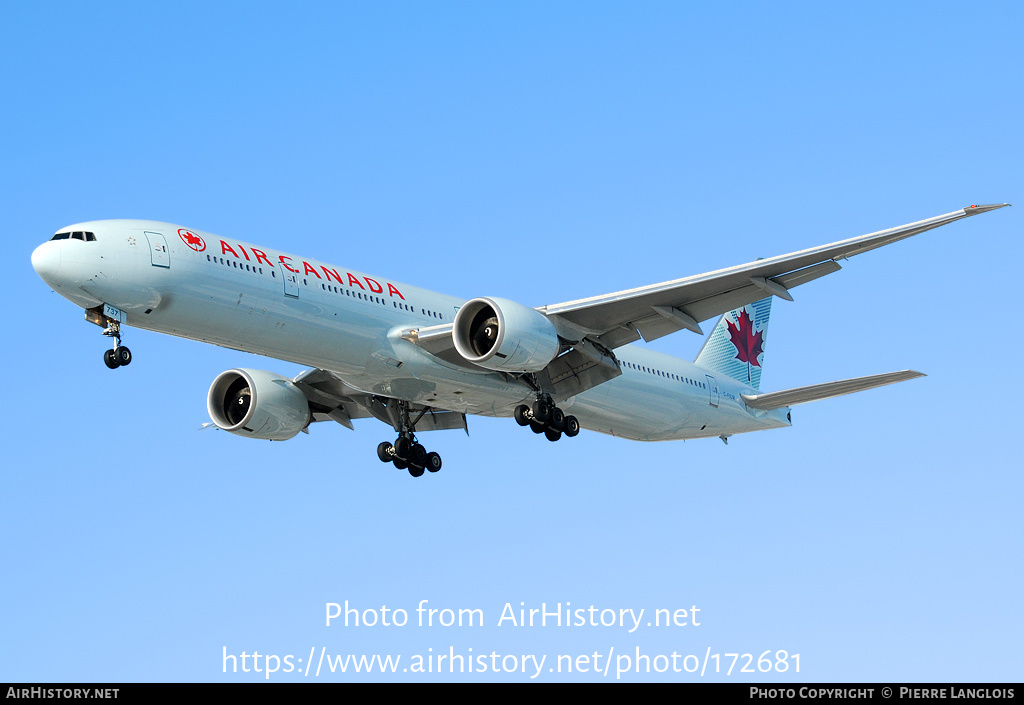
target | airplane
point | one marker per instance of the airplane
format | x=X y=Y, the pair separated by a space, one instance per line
x=422 y=361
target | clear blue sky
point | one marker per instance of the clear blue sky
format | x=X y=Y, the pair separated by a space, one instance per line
x=541 y=152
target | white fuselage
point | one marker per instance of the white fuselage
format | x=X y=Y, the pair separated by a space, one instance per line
x=226 y=292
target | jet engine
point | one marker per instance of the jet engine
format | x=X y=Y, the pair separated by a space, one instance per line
x=257 y=404
x=501 y=335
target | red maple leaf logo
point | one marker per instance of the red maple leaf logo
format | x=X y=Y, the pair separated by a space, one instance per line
x=192 y=240
x=749 y=345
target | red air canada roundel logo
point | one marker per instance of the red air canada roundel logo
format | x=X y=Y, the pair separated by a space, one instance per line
x=192 y=240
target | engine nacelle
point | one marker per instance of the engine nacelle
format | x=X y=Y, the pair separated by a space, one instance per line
x=257 y=404
x=502 y=335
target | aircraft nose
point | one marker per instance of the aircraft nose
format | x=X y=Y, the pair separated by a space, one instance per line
x=46 y=261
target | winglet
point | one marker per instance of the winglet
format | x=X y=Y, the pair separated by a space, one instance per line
x=974 y=210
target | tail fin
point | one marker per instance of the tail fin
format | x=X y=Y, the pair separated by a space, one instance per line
x=735 y=347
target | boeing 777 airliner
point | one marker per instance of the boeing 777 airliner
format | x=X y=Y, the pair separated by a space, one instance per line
x=421 y=361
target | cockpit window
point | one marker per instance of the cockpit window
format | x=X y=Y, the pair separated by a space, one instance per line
x=76 y=235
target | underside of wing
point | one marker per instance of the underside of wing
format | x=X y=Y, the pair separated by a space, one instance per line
x=330 y=398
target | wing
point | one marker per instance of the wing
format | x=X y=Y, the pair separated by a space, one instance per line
x=653 y=311
x=590 y=329
x=331 y=398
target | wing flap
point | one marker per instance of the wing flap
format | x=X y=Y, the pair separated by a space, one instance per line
x=808 y=274
x=656 y=326
x=814 y=392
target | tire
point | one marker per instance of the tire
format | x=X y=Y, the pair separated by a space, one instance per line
x=400 y=464
x=536 y=427
x=403 y=447
x=123 y=355
x=110 y=360
x=552 y=434
x=419 y=455
x=433 y=462
x=557 y=419
x=384 y=451
x=415 y=470
x=541 y=411
x=521 y=415
x=572 y=426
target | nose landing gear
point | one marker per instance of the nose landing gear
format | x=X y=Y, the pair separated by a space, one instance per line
x=120 y=355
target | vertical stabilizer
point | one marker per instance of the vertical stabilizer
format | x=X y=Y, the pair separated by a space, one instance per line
x=735 y=347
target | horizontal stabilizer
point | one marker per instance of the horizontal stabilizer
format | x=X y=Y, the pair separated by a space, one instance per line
x=802 y=395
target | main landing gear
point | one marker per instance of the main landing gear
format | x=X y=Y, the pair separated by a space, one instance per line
x=120 y=355
x=544 y=417
x=406 y=452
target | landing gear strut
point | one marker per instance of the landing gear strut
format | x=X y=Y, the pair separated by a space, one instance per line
x=120 y=355
x=544 y=417
x=406 y=452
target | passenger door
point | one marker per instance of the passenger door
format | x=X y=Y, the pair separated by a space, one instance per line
x=291 y=281
x=158 y=249
x=712 y=391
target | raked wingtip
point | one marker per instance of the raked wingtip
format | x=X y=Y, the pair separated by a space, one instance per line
x=974 y=210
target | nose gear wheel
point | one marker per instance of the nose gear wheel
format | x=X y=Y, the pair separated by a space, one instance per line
x=120 y=355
